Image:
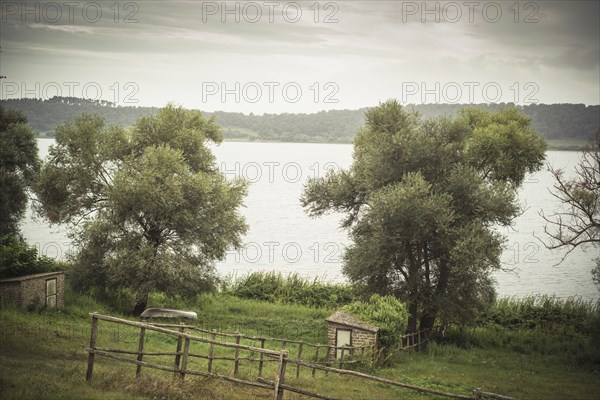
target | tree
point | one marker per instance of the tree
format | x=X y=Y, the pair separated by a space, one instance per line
x=19 y=164
x=18 y=258
x=578 y=224
x=422 y=198
x=148 y=208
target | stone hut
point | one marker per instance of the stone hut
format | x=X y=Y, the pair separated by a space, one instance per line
x=346 y=329
x=46 y=290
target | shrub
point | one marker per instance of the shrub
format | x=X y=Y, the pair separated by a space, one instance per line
x=386 y=312
x=291 y=289
x=571 y=315
x=18 y=258
x=566 y=328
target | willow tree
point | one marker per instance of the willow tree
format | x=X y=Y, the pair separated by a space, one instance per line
x=148 y=208
x=19 y=165
x=423 y=200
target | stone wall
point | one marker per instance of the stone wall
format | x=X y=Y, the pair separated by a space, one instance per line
x=10 y=293
x=360 y=337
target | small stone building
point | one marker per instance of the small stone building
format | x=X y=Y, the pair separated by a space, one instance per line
x=346 y=329
x=46 y=290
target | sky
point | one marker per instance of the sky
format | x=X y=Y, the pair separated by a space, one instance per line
x=301 y=57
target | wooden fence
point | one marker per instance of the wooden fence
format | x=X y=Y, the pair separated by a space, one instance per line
x=314 y=351
x=412 y=340
x=318 y=353
x=183 y=354
x=277 y=384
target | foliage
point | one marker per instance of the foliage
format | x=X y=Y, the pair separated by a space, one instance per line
x=18 y=258
x=578 y=223
x=569 y=349
x=386 y=312
x=19 y=165
x=148 y=207
x=291 y=289
x=567 y=328
x=570 y=315
x=553 y=121
x=421 y=200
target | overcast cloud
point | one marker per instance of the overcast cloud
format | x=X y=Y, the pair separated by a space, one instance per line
x=267 y=57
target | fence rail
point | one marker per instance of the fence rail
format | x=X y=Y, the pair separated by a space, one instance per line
x=277 y=385
x=358 y=353
x=315 y=351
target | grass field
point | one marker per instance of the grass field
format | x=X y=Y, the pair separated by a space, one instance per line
x=42 y=356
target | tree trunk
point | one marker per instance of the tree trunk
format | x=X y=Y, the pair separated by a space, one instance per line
x=427 y=321
x=432 y=308
x=413 y=289
x=426 y=328
x=413 y=309
x=140 y=305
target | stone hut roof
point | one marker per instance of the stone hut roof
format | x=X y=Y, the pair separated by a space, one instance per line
x=343 y=318
x=32 y=276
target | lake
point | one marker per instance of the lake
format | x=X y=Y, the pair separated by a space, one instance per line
x=283 y=238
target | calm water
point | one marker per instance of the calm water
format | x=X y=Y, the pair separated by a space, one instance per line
x=282 y=238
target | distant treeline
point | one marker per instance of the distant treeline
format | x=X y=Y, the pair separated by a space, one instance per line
x=553 y=121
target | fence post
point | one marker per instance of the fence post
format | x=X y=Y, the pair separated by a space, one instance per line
x=91 y=354
x=374 y=353
x=280 y=380
x=342 y=357
x=184 y=361
x=477 y=394
x=316 y=358
x=213 y=336
x=328 y=359
x=299 y=357
x=419 y=341
x=140 y=355
x=178 y=355
x=117 y=336
x=236 y=363
x=262 y=356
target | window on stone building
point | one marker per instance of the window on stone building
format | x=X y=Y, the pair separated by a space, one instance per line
x=51 y=293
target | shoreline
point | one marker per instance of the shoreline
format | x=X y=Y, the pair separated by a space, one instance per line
x=553 y=144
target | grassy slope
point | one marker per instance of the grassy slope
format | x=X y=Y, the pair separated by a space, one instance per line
x=42 y=356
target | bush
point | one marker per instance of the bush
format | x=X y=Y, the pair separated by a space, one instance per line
x=571 y=315
x=17 y=258
x=386 y=312
x=566 y=328
x=292 y=289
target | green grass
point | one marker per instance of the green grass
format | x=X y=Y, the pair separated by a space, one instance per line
x=524 y=376
x=42 y=356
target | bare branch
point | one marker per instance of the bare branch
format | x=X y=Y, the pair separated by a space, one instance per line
x=579 y=222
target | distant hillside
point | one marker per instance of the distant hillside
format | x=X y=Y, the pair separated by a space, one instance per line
x=560 y=122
